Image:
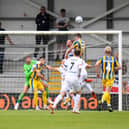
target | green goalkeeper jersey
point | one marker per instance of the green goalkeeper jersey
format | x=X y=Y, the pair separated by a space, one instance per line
x=27 y=71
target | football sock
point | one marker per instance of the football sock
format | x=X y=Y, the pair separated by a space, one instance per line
x=47 y=92
x=67 y=94
x=106 y=97
x=44 y=97
x=89 y=87
x=57 y=100
x=73 y=98
x=77 y=99
x=20 y=97
x=109 y=99
x=36 y=98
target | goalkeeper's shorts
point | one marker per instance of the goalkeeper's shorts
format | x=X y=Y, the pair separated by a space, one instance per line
x=36 y=84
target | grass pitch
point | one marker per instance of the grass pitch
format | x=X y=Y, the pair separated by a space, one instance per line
x=63 y=120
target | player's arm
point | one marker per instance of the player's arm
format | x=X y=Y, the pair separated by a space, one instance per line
x=52 y=68
x=97 y=67
x=88 y=66
x=34 y=61
x=67 y=52
x=39 y=74
x=117 y=65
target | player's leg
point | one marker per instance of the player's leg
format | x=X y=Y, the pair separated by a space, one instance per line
x=47 y=92
x=44 y=97
x=26 y=87
x=34 y=85
x=59 y=98
x=64 y=88
x=108 y=89
x=108 y=99
x=76 y=102
x=36 y=98
x=103 y=99
x=67 y=99
x=77 y=89
x=88 y=86
x=44 y=94
x=106 y=95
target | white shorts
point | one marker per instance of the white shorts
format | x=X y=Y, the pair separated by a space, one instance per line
x=63 y=88
x=72 y=83
x=83 y=76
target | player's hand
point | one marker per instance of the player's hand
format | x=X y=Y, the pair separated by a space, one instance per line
x=48 y=67
x=98 y=75
x=89 y=66
x=45 y=79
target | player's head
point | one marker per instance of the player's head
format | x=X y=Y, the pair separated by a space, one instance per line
x=108 y=50
x=77 y=36
x=77 y=52
x=42 y=60
x=42 y=9
x=28 y=59
x=62 y=12
x=69 y=43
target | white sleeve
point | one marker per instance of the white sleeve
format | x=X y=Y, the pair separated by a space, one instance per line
x=80 y=64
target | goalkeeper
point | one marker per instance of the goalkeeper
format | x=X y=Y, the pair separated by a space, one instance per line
x=27 y=71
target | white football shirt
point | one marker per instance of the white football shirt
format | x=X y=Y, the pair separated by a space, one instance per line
x=73 y=65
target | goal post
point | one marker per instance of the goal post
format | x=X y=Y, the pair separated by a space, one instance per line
x=99 y=35
x=120 y=71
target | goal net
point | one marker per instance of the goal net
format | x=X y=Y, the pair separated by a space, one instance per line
x=52 y=45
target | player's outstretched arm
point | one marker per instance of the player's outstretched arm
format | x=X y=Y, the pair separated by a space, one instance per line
x=89 y=66
x=52 y=68
x=118 y=67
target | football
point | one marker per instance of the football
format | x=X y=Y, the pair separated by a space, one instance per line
x=78 y=19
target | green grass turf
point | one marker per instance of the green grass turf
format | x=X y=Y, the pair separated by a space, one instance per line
x=63 y=120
